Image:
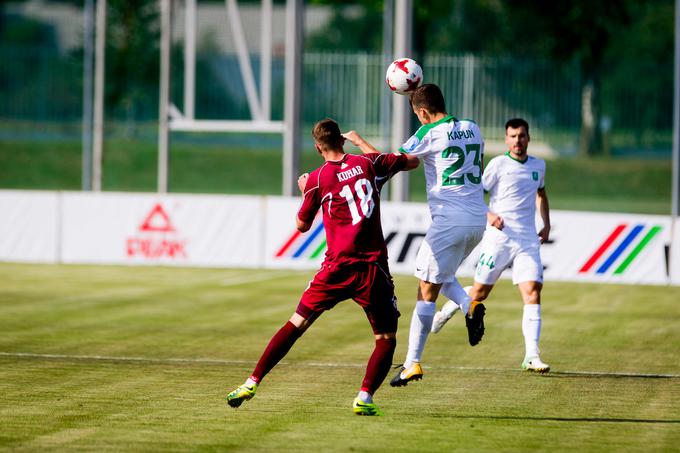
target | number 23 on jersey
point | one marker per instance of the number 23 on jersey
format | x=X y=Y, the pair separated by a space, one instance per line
x=471 y=149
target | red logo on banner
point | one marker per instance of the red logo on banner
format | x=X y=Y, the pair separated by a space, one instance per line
x=157 y=220
x=153 y=242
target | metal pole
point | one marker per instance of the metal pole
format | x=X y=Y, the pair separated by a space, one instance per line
x=244 y=59
x=164 y=96
x=675 y=199
x=401 y=112
x=675 y=206
x=98 y=133
x=88 y=56
x=266 y=60
x=190 y=59
x=387 y=46
x=292 y=101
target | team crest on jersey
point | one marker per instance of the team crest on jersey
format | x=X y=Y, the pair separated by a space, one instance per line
x=534 y=175
x=411 y=144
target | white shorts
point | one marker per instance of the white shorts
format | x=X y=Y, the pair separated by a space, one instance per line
x=498 y=252
x=443 y=249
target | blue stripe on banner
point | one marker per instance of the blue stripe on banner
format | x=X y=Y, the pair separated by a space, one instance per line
x=310 y=239
x=619 y=250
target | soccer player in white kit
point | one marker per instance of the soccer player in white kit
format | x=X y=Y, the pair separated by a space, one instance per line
x=516 y=184
x=452 y=152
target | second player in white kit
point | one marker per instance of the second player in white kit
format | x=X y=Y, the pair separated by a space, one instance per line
x=516 y=185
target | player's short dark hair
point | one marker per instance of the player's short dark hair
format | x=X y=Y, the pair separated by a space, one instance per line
x=429 y=97
x=516 y=123
x=327 y=133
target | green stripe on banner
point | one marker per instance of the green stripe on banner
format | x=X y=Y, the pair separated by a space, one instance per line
x=318 y=250
x=643 y=243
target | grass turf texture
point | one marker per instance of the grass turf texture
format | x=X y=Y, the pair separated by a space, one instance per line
x=614 y=185
x=220 y=321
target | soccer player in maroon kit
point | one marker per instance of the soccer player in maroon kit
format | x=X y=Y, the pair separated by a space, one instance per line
x=347 y=189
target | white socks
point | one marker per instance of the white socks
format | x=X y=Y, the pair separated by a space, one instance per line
x=531 y=328
x=457 y=294
x=365 y=397
x=421 y=323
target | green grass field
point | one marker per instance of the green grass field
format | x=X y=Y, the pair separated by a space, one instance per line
x=597 y=184
x=141 y=358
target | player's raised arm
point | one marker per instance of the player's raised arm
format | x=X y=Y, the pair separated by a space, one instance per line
x=366 y=148
x=360 y=142
x=307 y=205
x=411 y=161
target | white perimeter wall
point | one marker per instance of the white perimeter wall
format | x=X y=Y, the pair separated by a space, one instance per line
x=254 y=231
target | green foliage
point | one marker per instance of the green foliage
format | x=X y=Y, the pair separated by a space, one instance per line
x=133 y=34
x=355 y=27
x=639 y=65
x=25 y=31
x=217 y=322
x=597 y=184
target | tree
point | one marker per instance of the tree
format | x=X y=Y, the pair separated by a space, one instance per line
x=133 y=35
x=575 y=29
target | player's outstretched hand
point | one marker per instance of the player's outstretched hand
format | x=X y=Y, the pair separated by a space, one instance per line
x=302 y=181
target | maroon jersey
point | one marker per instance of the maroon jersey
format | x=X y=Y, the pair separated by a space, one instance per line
x=348 y=191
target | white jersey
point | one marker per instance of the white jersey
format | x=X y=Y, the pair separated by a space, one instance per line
x=452 y=153
x=512 y=186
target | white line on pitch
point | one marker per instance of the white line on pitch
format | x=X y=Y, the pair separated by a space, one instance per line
x=171 y=360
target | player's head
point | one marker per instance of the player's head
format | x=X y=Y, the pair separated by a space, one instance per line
x=517 y=136
x=327 y=136
x=427 y=100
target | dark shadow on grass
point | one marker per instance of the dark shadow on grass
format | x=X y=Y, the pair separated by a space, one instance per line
x=559 y=419
x=592 y=374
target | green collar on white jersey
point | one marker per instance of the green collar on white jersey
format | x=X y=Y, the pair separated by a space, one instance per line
x=425 y=128
x=517 y=160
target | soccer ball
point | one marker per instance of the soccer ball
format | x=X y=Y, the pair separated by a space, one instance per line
x=403 y=76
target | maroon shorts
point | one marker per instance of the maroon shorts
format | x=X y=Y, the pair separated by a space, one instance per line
x=368 y=284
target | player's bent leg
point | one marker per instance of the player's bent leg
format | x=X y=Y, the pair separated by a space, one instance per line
x=474 y=321
x=278 y=347
x=457 y=298
x=242 y=393
x=442 y=316
x=405 y=375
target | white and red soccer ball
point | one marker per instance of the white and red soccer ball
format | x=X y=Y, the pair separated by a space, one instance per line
x=403 y=76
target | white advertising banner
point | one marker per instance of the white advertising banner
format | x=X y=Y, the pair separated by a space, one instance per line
x=254 y=231
x=286 y=247
x=29 y=226
x=603 y=247
x=404 y=226
x=674 y=253
x=183 y=230
x=589 y=247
